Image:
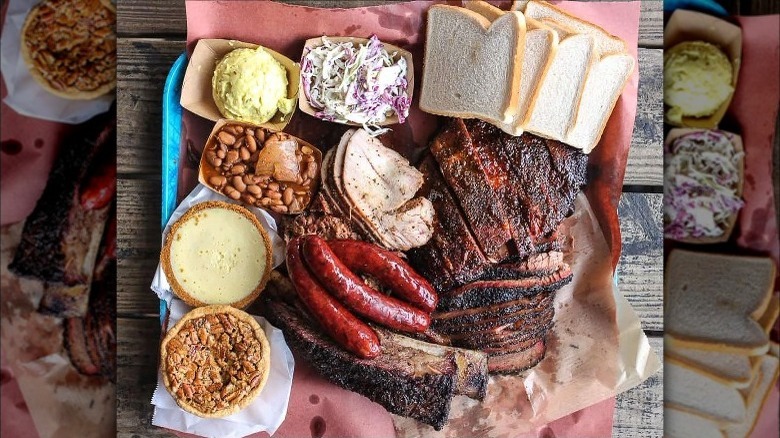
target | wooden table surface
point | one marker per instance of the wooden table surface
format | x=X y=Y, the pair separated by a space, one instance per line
x=152 y=35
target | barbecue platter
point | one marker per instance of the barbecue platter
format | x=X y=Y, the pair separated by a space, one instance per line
x=413 y=279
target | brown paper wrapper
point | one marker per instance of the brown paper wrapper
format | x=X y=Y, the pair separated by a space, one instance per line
x=590 y=356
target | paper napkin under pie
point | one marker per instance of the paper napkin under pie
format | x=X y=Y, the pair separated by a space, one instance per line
x=266 y=412
x=200 y=194
x=25 y=95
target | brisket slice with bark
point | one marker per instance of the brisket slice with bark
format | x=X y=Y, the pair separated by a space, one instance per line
x=524 y=315
x=535 y=265
x=516 y=361
x=405 y=380
x=475 y=315
x=452 y=257
x=530 y=325
x=464 y=174
x=544 y=178
x=61 y=237
x=485 y=293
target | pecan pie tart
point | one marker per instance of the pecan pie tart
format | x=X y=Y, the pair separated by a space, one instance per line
x=215 y=361
x=70 y=47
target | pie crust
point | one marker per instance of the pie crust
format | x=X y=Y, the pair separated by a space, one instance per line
x=229 y=277
x=215 y=361
x=69 y=47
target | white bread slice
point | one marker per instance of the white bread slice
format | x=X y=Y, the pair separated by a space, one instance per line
x=696 y=393
x=518 y=5
x=486 y=10
x=552 y=112
x=732 y=369
x=774 y=349
x=562 y=31
x=767 y=320
x=541 y=44
x=679 y=423
x=603 y=87
x=765 y=379
x=711 y=300
x=472 y=68
x=606 y=44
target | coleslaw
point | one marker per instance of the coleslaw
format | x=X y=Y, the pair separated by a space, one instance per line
x=701 y=180
x=362 y=85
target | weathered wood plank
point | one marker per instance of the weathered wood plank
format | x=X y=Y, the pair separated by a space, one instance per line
x=142 y=67
x=645 y=158
x=638 y=411
x=640 y=270
x=144 y=64
x=138 y=244
x=168 y=19
x=137 y=362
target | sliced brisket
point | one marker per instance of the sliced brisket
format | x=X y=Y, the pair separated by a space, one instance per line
x=485 y=293
x=464 y=174
x=490 y=321
x=452 y=257
x=517 y=361
x=546 y=176
x=535 y=265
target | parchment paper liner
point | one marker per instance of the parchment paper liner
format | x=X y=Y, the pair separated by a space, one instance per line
x=687 y=25
x=196 y=91
x=265 y=413
x=596 y=349
x=303 y=102
x=736 y=140
x=201 y=193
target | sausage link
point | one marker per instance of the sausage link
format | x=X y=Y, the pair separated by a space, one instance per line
x=345 y=328
x=355 y=294
x=99 y=189
x=388 y=269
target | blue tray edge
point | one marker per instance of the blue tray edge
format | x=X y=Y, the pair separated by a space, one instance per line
x=171 y=144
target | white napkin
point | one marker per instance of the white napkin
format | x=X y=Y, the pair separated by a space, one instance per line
x=200 y=194
x=25 y=96
x=266 y=412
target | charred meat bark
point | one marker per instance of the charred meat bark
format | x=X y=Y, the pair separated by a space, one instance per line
x=404 y=380
x=452 y=256
x=464 y=174
x=484 y=293
x=61 y=237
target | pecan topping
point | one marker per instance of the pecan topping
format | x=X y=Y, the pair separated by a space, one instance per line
x=71 y=44
x=216 y=361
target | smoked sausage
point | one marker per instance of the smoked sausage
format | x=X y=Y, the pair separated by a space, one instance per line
x=388 y=269
x=345 y=328
x=355 y=294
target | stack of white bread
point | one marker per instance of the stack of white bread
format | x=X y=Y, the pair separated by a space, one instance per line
x=720 y=364
x=533 y=68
